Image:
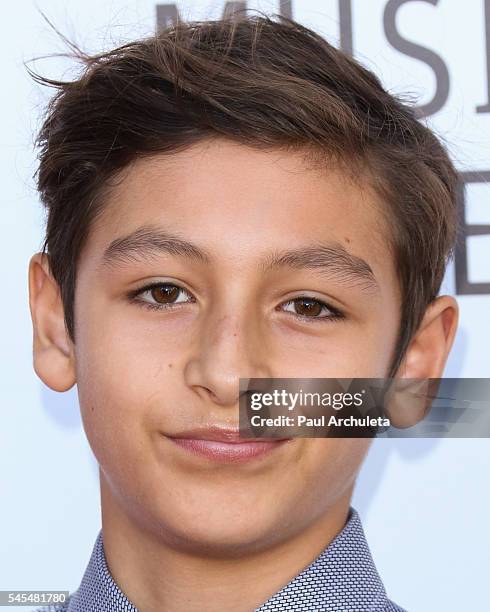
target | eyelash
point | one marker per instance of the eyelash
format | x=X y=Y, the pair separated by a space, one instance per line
x=336 y=314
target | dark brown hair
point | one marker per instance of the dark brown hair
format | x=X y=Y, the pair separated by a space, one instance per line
x=263 y=81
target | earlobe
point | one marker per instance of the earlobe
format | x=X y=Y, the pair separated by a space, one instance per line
x=53 y=356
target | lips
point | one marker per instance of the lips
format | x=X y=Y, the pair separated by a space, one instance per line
x=225 y=444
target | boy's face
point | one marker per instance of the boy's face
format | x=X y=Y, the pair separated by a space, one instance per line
x=145 y=375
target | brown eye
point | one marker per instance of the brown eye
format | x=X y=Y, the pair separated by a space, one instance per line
x=308 y=307
x=313 y=309
x=165 y=294
x=159 y=296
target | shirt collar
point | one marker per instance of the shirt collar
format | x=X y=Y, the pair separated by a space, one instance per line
x=344 y=574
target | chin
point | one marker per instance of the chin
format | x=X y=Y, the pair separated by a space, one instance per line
x=220 y=532
x=224 y=541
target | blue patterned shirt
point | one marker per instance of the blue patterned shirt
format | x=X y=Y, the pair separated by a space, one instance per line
x=343 y=578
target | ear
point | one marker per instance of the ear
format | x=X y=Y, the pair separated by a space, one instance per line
x=429 y=348
x=425 y=359
x=53 y=351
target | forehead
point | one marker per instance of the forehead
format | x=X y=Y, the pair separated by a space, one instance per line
x=237 y=201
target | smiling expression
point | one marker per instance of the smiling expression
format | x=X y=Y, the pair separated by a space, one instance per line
x=213 y=264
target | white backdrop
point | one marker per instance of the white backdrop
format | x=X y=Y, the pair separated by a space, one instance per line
x=424 y=503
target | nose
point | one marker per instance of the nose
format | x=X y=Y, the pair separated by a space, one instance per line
x=230 y=347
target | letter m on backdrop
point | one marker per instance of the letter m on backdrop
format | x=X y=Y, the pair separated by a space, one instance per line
x=168 y=14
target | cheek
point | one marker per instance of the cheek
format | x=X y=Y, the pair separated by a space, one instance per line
x=329 y=467
x=322 y=475
x=347 y=350
x=121 y=384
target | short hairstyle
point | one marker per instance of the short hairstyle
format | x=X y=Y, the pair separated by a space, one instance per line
x=264 y=81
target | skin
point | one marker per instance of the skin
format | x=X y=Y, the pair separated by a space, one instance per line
x=182 y=533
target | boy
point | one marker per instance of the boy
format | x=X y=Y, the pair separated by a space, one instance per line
x=233 y=199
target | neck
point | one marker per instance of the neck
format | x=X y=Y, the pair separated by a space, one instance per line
x=155 y=575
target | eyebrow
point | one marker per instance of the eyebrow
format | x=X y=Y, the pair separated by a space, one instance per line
x=330 y=258
x=147 y=241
